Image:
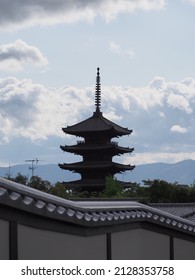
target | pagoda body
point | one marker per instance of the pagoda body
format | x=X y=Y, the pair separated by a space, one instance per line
x=96 y=148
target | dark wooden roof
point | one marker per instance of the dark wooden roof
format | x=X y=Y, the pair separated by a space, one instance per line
x=90 y=183
x=118 y=167
x=87 y=183
x=96 y=123
x=108 y=148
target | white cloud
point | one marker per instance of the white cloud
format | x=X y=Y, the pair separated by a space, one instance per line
x=15 y=56
x=118 y=50
x=190 y=1
x=158 y=83
x=19 y=13
x=179 y=102
x=35 y=112
x=155 y=114
x=179 y=129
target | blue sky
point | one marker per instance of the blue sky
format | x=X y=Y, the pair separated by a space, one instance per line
x=49 y=52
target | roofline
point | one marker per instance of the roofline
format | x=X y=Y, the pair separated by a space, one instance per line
x=110 y=127
x=89 y=165
x=84 y=147
x=87 y=213
x=83 y=133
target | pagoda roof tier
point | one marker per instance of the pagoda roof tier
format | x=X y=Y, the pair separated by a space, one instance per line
x=81 y=148
x=97 y=165
x=94 y=182
x=86 y=183
x=96 y=124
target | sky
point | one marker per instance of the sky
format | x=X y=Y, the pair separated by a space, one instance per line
x=49 y=53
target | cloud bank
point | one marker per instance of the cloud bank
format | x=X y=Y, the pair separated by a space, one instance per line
x=19 y=13
x=15 y=56
x=161 y=114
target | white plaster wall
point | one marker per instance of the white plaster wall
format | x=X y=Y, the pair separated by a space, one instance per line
x=4 y=240
x=140 y=244
x=184 y=250
x=41 y=244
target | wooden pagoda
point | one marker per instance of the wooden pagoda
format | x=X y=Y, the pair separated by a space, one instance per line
x=96 y=148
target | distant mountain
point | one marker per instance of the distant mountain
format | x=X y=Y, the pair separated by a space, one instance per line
x=50 y=172
x=182 y=172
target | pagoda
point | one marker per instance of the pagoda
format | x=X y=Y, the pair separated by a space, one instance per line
x=96 y=148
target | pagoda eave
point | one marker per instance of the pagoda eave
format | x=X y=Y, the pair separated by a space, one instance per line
x=93 y=184
x=83 y=133
x=112 y=166
x=110 y=148
x=86 y=183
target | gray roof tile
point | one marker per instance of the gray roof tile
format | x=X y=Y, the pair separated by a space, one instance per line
x=96 y=213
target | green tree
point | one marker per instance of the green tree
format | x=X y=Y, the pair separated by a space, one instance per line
x=191 y=196
x=19 y=178
x=159 y=190
x=136 y=192
x=180 y=194
x=59 y=190
x=113 y=188
x=153 y=190
x=37 y=183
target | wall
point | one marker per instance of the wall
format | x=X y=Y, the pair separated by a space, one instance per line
x=40 y=244
x=184 y=249
x=139 y=244
x=136 y=243
x=4 y=240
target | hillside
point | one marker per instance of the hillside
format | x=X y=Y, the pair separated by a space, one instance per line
x=50 y=172
x=182 y=172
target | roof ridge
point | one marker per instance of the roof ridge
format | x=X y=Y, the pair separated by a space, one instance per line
x=173 y=204
x=90 y=213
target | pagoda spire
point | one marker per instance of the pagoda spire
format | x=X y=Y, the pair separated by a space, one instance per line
x=98 y=92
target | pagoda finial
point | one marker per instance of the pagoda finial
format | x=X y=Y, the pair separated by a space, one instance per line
x=98 y=91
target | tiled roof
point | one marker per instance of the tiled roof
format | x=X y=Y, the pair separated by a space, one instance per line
x=96 y=164
x=85 y=147
x=86 y=182
x=88 y=213
x=184 y=210
x=96 y=123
